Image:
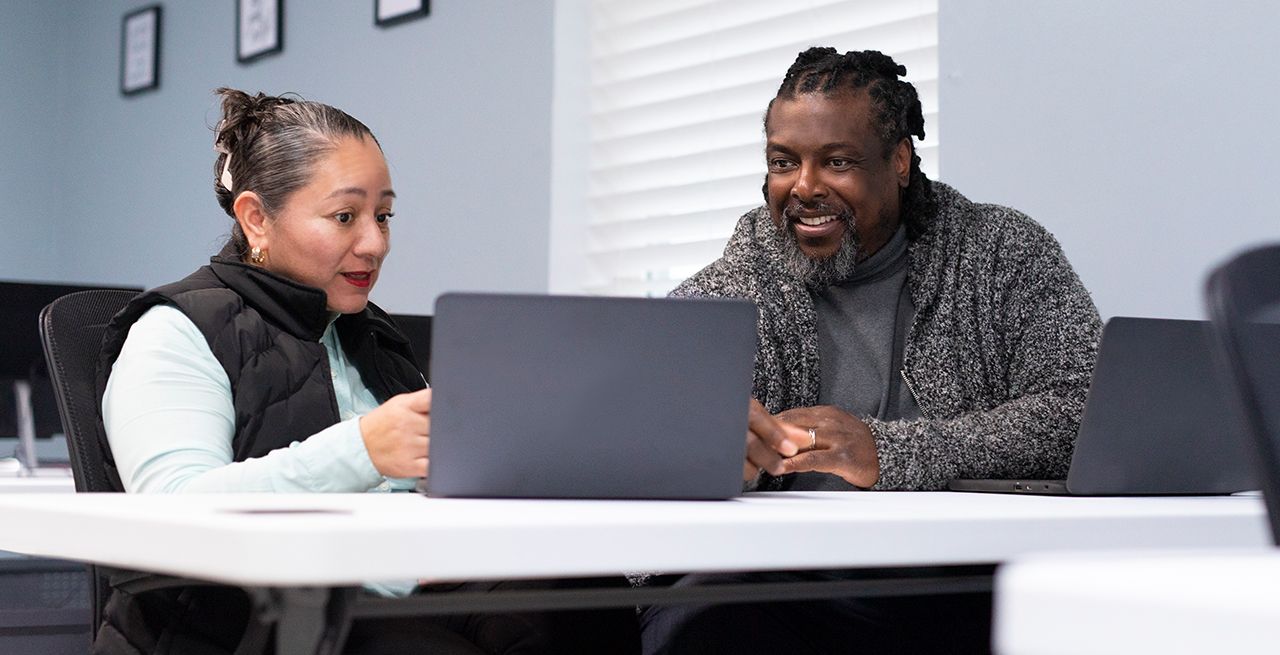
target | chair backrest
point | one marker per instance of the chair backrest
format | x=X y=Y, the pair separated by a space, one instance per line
x=418 y=329
x=71 y=329
x=1243 y=298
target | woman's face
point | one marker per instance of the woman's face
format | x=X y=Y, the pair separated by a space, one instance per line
x=335 y=232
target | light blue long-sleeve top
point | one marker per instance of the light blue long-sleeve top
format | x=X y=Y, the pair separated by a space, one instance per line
x=170 y=420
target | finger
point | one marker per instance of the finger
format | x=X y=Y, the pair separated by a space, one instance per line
x=829 y=461
x=772 y=432
x=813 y=460
x=420 y=467
x=414 y=424
x=749 y=471
x=797 y=415
x=764 y=457
x=419 y=401
x=803 y=418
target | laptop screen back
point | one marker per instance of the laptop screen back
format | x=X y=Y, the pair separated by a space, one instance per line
x=571 y=397
x=1159 y=419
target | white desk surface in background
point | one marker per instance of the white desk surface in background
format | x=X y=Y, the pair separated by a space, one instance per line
x=341 y=539
x=1139 y=603
x=49 y=481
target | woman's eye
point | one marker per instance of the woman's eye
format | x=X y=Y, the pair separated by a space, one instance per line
x=344 y=217
x=779 y=164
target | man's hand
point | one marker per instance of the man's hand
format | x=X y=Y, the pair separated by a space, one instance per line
x=397 y=435
x=769 y=441
x=843 y=446
x=781 y=444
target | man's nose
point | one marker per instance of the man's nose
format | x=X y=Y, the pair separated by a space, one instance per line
x=808 y=186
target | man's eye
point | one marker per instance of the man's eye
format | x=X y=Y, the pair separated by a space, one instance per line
x=384 y=217
x=779 y=164
x=840 y=163
x=344 y=217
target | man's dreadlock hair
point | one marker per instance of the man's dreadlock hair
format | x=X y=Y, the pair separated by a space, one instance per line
x=896 y=111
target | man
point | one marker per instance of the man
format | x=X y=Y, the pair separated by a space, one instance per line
x=907 y=337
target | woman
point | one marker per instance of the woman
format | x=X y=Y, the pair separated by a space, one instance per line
x=270 y=370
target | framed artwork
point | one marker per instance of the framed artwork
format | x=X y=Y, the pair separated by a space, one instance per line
x=259 y=28
x=393 y=12
x=140 y=50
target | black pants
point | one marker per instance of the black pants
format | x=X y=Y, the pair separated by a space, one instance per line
x=514 y=633
x=955 y=623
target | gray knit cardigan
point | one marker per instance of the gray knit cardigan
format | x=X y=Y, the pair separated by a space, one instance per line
x=999 y=356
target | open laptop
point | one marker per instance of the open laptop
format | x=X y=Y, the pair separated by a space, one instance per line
x=1158 y=420
x=575 y=397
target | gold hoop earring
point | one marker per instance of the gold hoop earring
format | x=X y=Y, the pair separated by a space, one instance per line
x=257 y=256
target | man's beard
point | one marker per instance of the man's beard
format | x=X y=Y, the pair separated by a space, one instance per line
x=819 y=272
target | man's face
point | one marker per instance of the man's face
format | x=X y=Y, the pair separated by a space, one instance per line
x=830 y=186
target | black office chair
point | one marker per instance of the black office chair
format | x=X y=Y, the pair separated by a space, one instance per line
x=71 y=329
x=418 y=329
x=1243 y=298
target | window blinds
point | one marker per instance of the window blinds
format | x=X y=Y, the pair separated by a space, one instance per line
x=677 y=97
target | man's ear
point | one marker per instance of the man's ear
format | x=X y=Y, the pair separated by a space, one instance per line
x=252 y=217
x=902 y=162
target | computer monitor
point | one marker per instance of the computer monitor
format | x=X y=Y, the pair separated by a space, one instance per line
x=22 y=357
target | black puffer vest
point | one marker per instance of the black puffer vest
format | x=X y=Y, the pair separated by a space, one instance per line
x=265 y=330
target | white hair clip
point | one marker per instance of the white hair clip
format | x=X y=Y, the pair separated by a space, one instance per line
x=226 y=172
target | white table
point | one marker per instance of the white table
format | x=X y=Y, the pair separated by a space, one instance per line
x=56 y=481
x=314 y=540
x=1218 y=602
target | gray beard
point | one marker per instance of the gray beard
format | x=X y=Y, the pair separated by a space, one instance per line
x=821 y=272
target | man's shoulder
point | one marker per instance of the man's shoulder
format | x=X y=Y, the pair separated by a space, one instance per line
x=989 y=225
x=719 y=279
x=738 y=272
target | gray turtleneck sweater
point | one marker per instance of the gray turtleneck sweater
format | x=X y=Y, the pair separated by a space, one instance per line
x=862 y=330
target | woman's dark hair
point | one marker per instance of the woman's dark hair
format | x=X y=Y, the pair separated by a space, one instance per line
x=895 y=108
x=274 y=143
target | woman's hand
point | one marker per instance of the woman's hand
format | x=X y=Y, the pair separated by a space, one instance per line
x=397 y=435
x=843 y=445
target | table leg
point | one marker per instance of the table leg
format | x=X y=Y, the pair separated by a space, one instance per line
x=307 y=620
x=302 y=614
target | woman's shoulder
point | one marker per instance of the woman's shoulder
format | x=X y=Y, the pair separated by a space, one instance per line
x=165 y=326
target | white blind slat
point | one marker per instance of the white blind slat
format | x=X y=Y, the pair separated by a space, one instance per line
x=722 y=101
x=755 y=66
x=712 y=19
x=681 y=228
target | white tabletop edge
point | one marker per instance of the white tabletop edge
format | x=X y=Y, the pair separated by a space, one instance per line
x=335 y=539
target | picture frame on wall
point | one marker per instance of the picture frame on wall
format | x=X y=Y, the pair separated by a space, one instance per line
x=259 y=29
x=393 y=12
x=140 y=50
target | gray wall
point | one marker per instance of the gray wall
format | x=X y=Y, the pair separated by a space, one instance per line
x=460 y=100
x=33 y=72
x=1142 y=133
